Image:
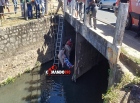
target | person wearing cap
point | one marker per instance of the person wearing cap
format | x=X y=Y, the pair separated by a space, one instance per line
x=68 y=47
x=61 y=56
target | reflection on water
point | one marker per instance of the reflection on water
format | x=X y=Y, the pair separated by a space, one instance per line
x=88 y=88
x=54 y=93
x=57 y=89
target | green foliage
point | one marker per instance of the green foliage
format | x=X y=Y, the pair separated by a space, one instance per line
x=37 y=64
x=136 y=60
x=27 y=70
x=112 y=95
x=8 y=81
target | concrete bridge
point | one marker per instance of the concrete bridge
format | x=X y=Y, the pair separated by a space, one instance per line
x=91 y=44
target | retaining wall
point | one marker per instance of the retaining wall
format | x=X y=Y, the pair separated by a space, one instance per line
x=25 y=45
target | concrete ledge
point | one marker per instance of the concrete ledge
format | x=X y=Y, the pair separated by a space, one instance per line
x=100 y=43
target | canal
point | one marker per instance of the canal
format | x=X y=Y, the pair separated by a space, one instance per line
x=58 y=89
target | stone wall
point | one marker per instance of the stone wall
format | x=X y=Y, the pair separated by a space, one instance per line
x=25 y=45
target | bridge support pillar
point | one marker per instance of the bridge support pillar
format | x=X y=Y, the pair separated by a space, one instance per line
x=86 y=56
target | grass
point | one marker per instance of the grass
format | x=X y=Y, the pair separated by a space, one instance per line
x=136 y=60
x=112 y=95
x=12 y=79
x=8 y=81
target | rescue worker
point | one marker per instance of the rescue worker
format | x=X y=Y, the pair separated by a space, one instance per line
x=68 y=47
x=61 y=56
x=68 y=64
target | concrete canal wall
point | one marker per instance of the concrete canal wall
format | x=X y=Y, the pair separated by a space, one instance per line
x=24 y=46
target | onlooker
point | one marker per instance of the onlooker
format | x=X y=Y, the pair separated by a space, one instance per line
x=76 y=8
x=93 y=11
x=37 y=5
x=81 y=9
x=2 y=3
x=7 y=5
x=15 y=5
x=29 y=9
x=43 y=7
x=60 y=4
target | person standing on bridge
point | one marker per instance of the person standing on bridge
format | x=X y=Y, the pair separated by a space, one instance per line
x=60 y=4
x=2 y=4
x=92 y=14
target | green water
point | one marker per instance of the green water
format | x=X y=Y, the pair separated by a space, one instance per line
x=57 y=89
x=25 y=89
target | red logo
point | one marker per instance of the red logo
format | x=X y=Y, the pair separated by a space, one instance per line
x=53 y=71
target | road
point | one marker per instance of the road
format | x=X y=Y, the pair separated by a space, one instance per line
x=129 y=40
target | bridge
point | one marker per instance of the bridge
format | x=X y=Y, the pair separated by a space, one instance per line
x=106 y=41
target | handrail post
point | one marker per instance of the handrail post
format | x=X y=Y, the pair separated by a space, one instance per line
x=117 y=41
x=120 y=26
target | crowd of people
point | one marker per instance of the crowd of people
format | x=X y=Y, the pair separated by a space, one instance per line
x=80 y=9
x=37 y=5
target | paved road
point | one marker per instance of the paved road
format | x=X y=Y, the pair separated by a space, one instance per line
x=129 y=40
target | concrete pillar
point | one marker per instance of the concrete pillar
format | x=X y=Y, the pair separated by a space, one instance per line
x=86 y=56
x=117 y=41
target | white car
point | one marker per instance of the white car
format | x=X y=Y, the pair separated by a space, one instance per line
x=110 y=4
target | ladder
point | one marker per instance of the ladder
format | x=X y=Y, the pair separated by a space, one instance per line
x=58 y=40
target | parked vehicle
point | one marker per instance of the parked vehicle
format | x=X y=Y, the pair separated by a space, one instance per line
x=133 y=13
x=110 y=4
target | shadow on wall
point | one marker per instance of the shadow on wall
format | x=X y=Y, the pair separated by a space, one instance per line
x=45 y=54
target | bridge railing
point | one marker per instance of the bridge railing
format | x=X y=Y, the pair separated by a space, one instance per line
x=119 y=28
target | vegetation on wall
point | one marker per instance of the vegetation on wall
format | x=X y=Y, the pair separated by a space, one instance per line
x=112 y=95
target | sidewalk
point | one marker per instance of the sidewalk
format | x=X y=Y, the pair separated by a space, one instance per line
x=130 y=44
